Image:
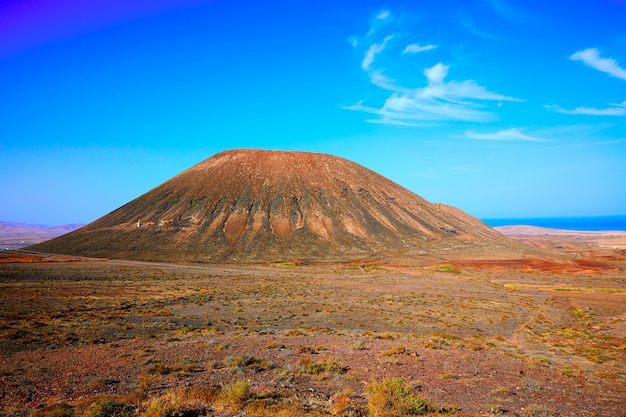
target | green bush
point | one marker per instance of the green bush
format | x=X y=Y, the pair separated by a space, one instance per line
x=447 y=268
x=107 y=407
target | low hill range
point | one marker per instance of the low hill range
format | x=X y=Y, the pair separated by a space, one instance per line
x=15 y=235
x=250 y=205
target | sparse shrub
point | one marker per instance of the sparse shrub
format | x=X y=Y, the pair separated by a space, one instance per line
x=541 y=411
x=275 y=345
x=205 y=394
x=145 y=383
x=398 y=350
x=181 y=402
x=191 y=329
x=15 y=334
x=108 y=407
x=500 y=391
x=245 y=362
x=342 y=405
x=447 y=268
x=158 y=367
x=235 y=395
x=496 y=409
x=305 y=349
x=293 y=332
x=360 y=345
x=163 y=408
x=291 y=264
x=392 y=397
x=436 y=342
x=448 y=409
x=56 y=410
x=310 y=367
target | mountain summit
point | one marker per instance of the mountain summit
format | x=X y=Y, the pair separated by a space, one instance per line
x=265 y=206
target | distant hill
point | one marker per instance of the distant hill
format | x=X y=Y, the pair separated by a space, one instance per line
x=18 y=235
x=259 y=206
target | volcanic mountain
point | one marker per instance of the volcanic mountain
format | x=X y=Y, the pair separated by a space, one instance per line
x=270 y=206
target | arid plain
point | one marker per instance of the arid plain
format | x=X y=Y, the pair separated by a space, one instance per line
x=536 y=337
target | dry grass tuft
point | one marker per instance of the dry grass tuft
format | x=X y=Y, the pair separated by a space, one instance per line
x=159 y=407
x=325 y=366
x=109 y=407
x=398 y=350
x=392 y=397
x=246 y=362
x=55 y=410
x=235 y=395
x=343 y=405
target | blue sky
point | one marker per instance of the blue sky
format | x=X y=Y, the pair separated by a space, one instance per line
x=503 y=108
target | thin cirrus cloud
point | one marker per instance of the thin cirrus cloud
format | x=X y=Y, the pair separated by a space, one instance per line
x=373 y=50
x=383 y=15
x=614 y=110
x=381 y=19
x=416 y=48
x=514 y=134
x=591 y=57
x=438 y=100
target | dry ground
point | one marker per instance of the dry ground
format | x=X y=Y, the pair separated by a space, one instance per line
x=312 y=339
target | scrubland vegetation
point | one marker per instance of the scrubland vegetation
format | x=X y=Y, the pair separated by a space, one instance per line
x=132 y=339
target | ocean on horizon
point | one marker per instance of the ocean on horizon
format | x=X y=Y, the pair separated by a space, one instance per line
x=588 y=224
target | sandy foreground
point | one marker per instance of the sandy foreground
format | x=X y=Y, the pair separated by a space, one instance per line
x=518 y=339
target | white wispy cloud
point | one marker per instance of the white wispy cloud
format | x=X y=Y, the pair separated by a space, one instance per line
x=415 y=48
x=371 y=53
x=380 y=19
x=383 y=15
x=592 y=58
x=514 y=134
x=437 y=100
x=614 y=110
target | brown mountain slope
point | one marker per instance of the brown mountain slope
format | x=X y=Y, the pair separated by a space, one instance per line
x=264 y=206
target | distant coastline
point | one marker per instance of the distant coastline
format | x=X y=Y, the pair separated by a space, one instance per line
x=589 y=224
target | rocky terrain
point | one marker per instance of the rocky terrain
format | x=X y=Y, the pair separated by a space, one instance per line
x=156 y=339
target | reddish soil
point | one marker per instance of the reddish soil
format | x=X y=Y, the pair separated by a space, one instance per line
x=12 y=256
x=538 y=264
x=518 y=339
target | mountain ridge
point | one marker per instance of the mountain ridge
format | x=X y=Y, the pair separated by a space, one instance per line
x=14 y=235
x=249 y=205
